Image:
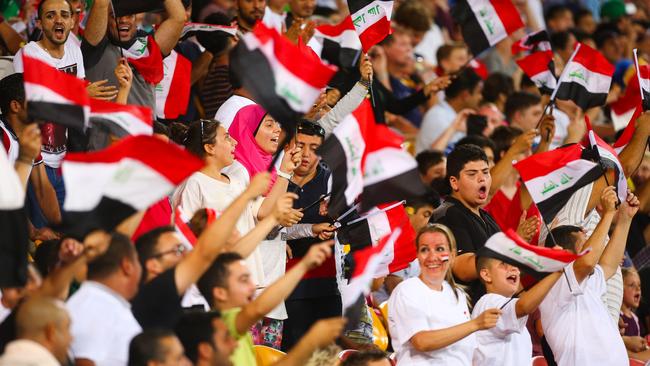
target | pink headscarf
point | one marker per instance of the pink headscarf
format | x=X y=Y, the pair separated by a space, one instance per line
x=248 y=152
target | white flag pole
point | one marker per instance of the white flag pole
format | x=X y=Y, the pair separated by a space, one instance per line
x=564 y=71
x=638 y=74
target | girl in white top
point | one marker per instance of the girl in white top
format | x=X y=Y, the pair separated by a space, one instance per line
x=428 y=317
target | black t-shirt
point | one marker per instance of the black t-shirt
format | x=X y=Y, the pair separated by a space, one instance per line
x=470 y=231
x=157 y=304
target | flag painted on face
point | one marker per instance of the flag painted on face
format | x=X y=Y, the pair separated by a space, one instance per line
x=484 y=23
x=371 y=20
x=53 y=95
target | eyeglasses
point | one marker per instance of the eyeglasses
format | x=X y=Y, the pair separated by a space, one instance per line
x=178 y=249
x=310 y=128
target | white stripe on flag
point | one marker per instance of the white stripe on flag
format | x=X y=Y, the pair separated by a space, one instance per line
x=489 y=20
x=130 y=123
x=592 y=81
x=41 y=93
x=128 y=181
x=543 y=187
x=163 y=88
x=546 y=79
x=386 y=163
x=351 y=140
x=12 y=194
x=371 y=14
x=506 y=247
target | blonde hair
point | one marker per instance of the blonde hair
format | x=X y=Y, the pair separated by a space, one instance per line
x=626 y=271
x=444 y=230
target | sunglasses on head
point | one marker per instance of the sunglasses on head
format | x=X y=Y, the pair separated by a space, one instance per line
x=310 y=128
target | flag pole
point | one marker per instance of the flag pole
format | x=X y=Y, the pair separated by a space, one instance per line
x=638 y=75
x=564 y=71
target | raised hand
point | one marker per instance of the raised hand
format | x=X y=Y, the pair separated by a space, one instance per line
x=30 y=142
x=608 y=199
x=317 y=254
x=259 y=184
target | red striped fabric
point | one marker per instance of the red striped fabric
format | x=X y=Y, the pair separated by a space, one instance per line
x=508 y=14
x=179 y=89
x=168 y=160
x=593 y=61
x=375 y=33
x=547 y=162
x=335 y=30
x=142 y=113
x=67 y=86
x=535 y=63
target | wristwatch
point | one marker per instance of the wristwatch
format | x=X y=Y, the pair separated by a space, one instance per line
x=284 y=175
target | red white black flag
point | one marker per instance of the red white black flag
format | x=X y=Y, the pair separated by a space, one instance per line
x=484 y=23
x=538 y=63
x=105 y=187
x=121 y=119
x=147 y=59
x=608 y=159
x=53 y=95
x=371 y=20
x=337 y=44
x=191 y=29
x=173 y=91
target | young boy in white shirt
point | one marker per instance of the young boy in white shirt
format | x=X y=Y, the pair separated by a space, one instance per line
x=508 y=343
x=575 y=320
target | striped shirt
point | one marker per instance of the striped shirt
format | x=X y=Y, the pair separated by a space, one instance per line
x=216 y=88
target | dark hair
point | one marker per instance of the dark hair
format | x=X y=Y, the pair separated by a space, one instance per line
x=161 y=128
x=412 y=14
x=362 y=358
x=428 y=158
x=310 y=128
x=198 y=222
x=467 y=79
x=581 y=13
x=178 y=132
x=147 y=346
x=555 y=11
x=42 y=2
x=462 y=155
x=496 y=84
x=193 y=328
x=526 y=82
x=46 y=256
x=421 y=201
x=107 y=263
x=215 y=42
x=201 y=132
x=217 y=275
x=444 y=52
x=502 y=137
x=478 y=140
x=560 y=40
x=581 y=36
x=519 y=101
x=146 y=245
x=13 y=88
x=602 y=36
x=564 y=236
x=482 y=261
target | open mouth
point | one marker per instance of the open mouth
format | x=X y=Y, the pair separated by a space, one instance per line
x=59 y=31
x=637 y=297
x=482 y=192
x=275 y=140
x=512 y=279
x=123 y=31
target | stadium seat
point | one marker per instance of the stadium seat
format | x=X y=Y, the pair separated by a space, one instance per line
x=539 y=361
x=265 y=355
x=345 y=353
x=634 y=362
x=383 y=307
x=379 y=334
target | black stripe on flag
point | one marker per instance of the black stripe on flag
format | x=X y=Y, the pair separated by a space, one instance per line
x=333 y=155
x=14 y=246
x=105 y=124
x=646 y=99
x=106 y=215
x=400 y=187
x=356 y=5
x=68 y=115
x=356 y=235
x=580 y=95
x=470 y=27
x=552 y=205
x=343 y=57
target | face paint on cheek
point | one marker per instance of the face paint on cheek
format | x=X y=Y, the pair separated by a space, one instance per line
x=444 y=258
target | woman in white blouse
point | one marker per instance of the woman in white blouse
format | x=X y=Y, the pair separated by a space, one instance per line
x=428 y=316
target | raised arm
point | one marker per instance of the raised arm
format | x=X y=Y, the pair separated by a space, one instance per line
x=431 y=340
x=169 y=32
x=282 y=288
x=632 y=154
x=585 y=264
x=214 y=237
x=529 y=301
x=97 y=22
x=501 y=171
x=615 y=249
x=290 y=162
x=321 y=334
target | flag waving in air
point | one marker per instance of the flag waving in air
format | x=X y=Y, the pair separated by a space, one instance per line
x=173 y=92
x=585 y=79
x=337 y=44
x=121 y=119
x=608 y=159
x=511 y=248
x=105 y=187
x=371 y=20
x=643 y=75
x=53 y=95
x=484 y=23
x=283 y=77
x=192 y=29
x=538 y=63
x=554 y=176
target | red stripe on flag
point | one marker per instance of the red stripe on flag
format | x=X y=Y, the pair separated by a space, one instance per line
x=337 y=29
x=542 y=164
x=167 y=159
x=508 y=14
x=628 y=132
x=179 y=89
x=69 y=87
x=593 y=61
x=404 y=247
x=183 y=228
x=150 y=66
x=555 y=254
x=142 y=113
x=535 y=63
x=375 y=33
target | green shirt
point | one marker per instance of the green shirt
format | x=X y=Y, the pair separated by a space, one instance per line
x=244 y=355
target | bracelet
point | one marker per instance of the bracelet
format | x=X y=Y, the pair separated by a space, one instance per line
x=284 y=175
x=365 y=83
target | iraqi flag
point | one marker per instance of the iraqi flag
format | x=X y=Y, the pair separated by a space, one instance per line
x=182 y=225
x=539 y=67
x=365 y=267
x=554 y=176
x=585 y=79
x=371 y=20
x=55 y=96
x=608 y=159
x=484 y=23
x=105 y=187
x=367 y=160
x=376 y=224
x=145 y=56
x=531 y=43
x=337 y=44
x=173 y=92
x=192 y=29
x=627 y=134
x=628 y=106
x=121 y=119
x=511 y=248
x=282 y=77
x=14 y=241
x=643 y=76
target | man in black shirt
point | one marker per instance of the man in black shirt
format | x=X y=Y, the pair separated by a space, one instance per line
x=469 y=177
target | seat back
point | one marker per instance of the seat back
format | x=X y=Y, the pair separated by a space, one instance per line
x=379 y=334
x=539 y=361
x=266 y=356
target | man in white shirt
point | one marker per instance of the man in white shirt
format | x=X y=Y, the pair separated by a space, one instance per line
x=102 y=322
x=42 y=327
x=575 y=320
x=464 y=92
